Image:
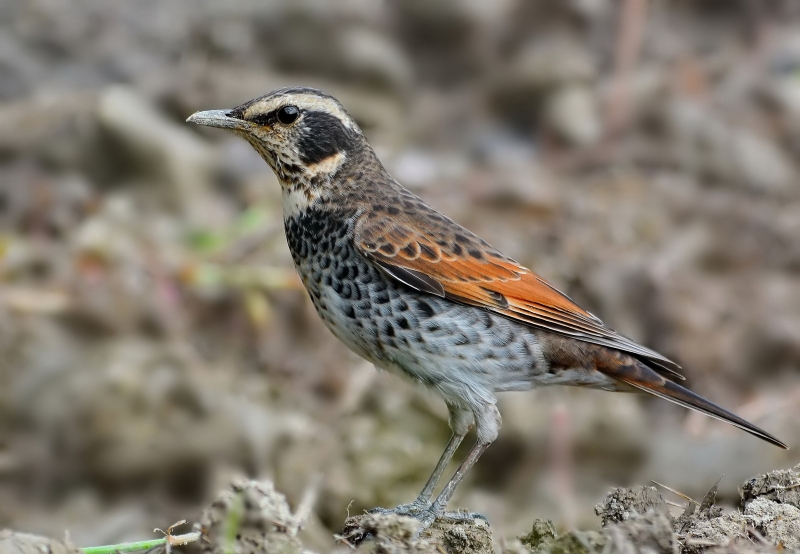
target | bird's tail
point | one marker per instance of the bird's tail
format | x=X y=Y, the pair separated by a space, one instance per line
x=638 y=375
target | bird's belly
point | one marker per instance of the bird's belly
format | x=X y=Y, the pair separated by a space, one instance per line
x=463 y=352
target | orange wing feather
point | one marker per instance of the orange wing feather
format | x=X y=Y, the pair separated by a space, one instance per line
x=429 y=252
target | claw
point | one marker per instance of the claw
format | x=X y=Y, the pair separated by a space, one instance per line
x=355 y=533
x=414 y=509
x=426 y=515
x=465 y=517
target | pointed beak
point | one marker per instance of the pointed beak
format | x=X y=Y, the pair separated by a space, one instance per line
x=218 y=118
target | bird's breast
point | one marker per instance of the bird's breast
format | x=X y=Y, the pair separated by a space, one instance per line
x=456 y=349
x=346 y=289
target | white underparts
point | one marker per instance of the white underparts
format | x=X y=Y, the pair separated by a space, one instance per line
x=296 y=199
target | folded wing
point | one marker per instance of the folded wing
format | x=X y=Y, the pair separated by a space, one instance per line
x=433 y=254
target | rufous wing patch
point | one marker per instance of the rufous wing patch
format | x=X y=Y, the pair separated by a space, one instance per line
x=471 y=272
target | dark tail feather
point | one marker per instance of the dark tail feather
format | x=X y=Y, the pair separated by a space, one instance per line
x=642 y=377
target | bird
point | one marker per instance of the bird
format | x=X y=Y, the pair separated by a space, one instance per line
x=418 y=295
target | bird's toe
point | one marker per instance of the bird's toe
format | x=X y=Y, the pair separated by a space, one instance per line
x=412 y=509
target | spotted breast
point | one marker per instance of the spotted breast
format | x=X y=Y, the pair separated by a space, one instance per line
x=401 y=329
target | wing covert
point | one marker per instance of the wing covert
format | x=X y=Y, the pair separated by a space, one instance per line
x=434 y=255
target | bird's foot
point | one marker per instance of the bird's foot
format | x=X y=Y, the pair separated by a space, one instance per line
x=463 y=517
x=412 y=509
x=355 y=530
x=426 y=514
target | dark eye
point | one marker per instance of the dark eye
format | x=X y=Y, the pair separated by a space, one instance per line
x=288 y=114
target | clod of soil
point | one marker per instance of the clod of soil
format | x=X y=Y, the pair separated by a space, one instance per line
x=637 y=520
x=249 y=518
x=389 y=534
x=252 y=518
x=24 y=543
x=621 y=504
x=781 y=485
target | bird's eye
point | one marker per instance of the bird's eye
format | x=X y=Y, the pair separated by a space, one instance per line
x=288 y=114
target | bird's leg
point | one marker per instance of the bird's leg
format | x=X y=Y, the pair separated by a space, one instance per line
x=424 y=498
x=487 y=422
x=423 y=501
x=460 y=422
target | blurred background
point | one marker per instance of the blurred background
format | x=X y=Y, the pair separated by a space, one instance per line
x=154 y=341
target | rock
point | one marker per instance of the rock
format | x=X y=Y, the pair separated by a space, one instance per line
x=383 y=533
x=170 y=152
x=622 y=504
x=636 y=520
x=250 y=518
x=231 y=36
x=542 y=533
x=714 y=532
x=513 y=546
x=777 y=522
x=756 y=162
x=92 y=410
x=465 y=538
x=299 y=37
x=373 y=58
x=450 y=39
x=416 y=168
x=57 y=131
x=781 y=486
x=547 y=63
x=20 y=68
x=703 y=526
x=56 y=203
x=650 y=532
x=389 y=534
x=571 y=112
x=568 y=543
x=707 y=144
x=539 y=79
x=589 y=9
x=742 y=547
x=785 y=93
x=24 y=543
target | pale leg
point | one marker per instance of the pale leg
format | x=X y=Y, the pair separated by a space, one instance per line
x=460 y=420
x=487 y=422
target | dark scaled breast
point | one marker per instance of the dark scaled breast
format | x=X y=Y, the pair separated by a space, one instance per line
x=321 y=243
x=396 y=326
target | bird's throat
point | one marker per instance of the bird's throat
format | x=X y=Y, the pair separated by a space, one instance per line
x=297 y=197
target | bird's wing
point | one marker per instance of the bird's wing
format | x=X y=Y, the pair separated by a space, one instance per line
x=429 y=252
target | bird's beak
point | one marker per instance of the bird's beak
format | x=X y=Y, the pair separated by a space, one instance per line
x=218 y=118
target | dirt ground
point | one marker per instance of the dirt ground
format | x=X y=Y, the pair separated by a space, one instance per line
x=252 y=517
x=155 y=343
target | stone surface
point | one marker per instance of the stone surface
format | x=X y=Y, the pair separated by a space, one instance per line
x=249 y=518
x=623 y=504
x=781 y=486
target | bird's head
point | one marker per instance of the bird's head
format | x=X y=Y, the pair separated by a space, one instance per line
x=304 y=134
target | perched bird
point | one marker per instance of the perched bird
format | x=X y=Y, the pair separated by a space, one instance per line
x=419 y=295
